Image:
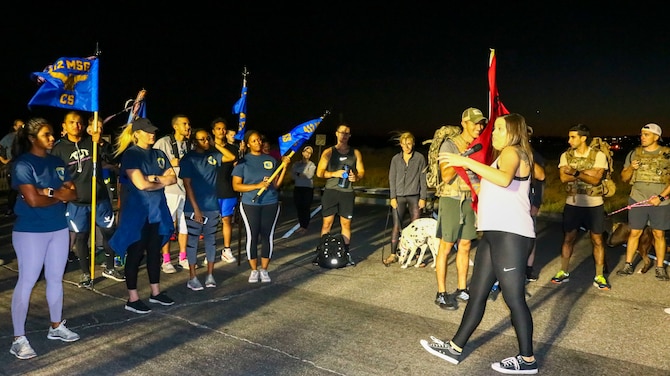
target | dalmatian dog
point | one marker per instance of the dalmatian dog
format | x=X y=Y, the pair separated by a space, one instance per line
x=420 y=234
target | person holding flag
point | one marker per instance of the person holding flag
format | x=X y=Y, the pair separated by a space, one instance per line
x=456 y=217
x=341 y=165
x=258 y=177
x=504 y=247
x=76 y=150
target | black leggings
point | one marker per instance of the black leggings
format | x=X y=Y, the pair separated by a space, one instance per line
x=500 y=256
x=409 y=203
x=259 y=222
x=151 y=243
x=303 y=197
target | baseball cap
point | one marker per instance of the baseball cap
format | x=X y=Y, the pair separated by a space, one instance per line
x=144 y=124
x=474 y=115
x=653 y=128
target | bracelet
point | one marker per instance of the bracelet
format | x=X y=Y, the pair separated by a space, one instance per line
x=662 y=198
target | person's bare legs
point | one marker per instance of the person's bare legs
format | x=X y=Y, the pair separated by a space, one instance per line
x=463 y=263
x=441 y=265
x=327 y=224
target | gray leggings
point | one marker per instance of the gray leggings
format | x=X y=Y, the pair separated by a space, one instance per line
x=35 y=250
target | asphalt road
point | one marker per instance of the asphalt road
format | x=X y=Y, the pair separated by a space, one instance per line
x=363 y=320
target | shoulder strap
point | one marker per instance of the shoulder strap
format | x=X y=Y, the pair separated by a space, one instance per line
x=175 y=148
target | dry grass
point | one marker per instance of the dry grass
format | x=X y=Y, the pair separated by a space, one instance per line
x=377 y=163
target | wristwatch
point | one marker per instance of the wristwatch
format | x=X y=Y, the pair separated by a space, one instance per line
x=662 y=198
x=50 y=192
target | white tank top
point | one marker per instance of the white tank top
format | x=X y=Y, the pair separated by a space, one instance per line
x=505 y=208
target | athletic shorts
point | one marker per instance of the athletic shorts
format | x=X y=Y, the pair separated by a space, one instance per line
x=176 y=206
x=658 y=217
x=227 y=206
x=79 y=216
x=590 y=218
x=337 y=202
x=455 y=220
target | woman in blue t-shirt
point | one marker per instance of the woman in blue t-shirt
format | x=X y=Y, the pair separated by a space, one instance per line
x=260 y=213
x=198 y=169
x=146 y=223
x=40 y=236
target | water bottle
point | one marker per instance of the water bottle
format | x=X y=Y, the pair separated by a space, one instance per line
x=344 y=180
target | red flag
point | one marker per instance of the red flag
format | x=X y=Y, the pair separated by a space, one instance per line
x=496 y=109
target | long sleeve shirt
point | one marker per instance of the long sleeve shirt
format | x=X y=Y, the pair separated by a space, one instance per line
x=408 y=179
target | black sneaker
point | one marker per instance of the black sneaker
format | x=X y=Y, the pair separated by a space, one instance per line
x=495 y=291
x=515 y=366
x=661 y=274
x=442 y=350
x=137 y=306
x=161 y=299
x=85 y=281
x=462 y=295
x=350 y=261
x=113 y=274
x=627 y=269
x=531 y=276
x=446 y=301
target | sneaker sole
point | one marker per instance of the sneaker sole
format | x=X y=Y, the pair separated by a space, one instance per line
x=227 y=260
x=266 y=280
x=155 y=301
x=195 y=288
x=438 y=354
x=210 y=285
x=496 y=367
x=131 y=309
x=253 y=281
x=604 y=288
x=23 y=357
x=62 y=339
x=559 y=282
x=112 y=277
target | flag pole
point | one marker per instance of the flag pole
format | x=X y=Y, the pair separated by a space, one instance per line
x=94 y=181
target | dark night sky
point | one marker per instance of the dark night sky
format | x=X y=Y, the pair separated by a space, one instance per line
x=379 y=67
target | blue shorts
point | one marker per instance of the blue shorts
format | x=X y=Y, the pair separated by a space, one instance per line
x=227 y=206
x=79 y=216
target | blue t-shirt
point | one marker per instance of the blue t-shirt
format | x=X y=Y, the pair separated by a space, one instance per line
x=202 y=169
x=252 y=169
x=41 y=172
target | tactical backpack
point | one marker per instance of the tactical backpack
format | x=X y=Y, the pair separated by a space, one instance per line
x=432 y=169
x=331 y=253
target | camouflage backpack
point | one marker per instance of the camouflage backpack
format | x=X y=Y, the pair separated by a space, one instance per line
x=432 y=170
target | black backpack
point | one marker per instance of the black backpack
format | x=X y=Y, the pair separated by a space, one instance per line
x=330 y=253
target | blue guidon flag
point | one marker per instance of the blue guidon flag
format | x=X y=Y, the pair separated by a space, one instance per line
x=70 y=83
x=240 y=108
x=298 y=135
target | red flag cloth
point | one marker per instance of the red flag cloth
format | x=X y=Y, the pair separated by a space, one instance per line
x=496 y=109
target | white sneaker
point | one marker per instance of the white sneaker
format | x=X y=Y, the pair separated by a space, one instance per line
x=210 y=281
x=21 y=348
x=168 y=268
x=194 y=284
x=265 y=277
x=227 y=256
x=184 y=264
x=253 y=277
x=63 y=333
